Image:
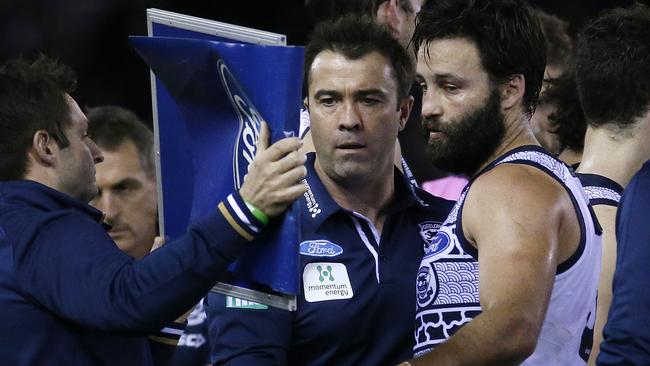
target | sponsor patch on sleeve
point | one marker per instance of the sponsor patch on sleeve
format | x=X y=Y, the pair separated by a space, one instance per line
x=326 y=281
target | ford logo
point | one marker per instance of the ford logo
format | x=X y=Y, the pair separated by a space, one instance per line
x=320 y=248
x=249 y=125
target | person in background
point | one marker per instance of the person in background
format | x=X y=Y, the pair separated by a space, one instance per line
x=126 y=179
x=613 y=79
x=559 y=47
x=627 y=335
x=567 y=120
x=127 y=195
x=513 y=276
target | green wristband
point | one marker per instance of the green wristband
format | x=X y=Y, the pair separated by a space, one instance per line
x=259 y=214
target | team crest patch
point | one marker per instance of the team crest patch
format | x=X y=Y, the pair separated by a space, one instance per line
x=426 y=285
x=320 y=248
x=326 y=281
x=428 y=230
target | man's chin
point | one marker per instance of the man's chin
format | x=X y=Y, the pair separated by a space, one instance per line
x=453 y=164
x=121 y=237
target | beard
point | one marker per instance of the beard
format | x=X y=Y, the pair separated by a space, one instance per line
x=468 y=141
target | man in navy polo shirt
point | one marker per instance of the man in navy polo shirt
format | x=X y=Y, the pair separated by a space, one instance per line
x=363 y=226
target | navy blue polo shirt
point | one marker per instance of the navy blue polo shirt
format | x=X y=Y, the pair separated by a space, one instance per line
x=358 y=300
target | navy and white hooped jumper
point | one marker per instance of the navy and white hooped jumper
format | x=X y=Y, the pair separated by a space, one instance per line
x=448 y=279
x=601 y=190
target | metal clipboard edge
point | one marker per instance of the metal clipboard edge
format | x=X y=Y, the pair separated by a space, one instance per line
x=285 y=302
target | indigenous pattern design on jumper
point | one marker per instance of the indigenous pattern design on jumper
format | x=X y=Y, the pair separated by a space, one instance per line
x=601 y=190
x=447 y=282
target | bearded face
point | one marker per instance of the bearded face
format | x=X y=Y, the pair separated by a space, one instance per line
x=461 y=145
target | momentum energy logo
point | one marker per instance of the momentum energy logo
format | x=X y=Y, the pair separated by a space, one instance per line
x=249 y=125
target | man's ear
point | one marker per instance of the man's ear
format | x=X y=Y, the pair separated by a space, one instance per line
x=388 y=13
x=305 y=103
x=405 y=110
x=512 y=91
x=44 y=148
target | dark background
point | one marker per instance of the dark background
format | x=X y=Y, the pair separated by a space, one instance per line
x=91 y=35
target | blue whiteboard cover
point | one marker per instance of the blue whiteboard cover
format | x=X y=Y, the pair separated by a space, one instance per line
x=220 y=92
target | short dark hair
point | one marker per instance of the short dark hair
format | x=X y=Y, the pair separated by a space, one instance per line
x=506 y=33
x=111 y=126
x=355 y=37
x=559 y=44
x=32 y=98
x=567 y=120
x=329 y=10
x=613 y=67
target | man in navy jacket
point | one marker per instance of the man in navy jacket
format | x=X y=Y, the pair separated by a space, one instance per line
x=68 y=295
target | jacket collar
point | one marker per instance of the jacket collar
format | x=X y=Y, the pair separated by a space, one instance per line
x=41 y=196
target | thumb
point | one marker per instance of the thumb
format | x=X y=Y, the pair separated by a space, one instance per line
x=263 y=138
x=158 y=242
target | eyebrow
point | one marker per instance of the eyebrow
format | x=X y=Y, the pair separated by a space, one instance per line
x=127 y=182
x=358 y=93
x=449 y=77
x=365 y=92
x=325 y=92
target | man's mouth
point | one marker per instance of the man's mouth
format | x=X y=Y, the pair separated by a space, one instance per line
x=116 y=232
x=350 y=146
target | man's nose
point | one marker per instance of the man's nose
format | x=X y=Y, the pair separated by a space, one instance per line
x=431 y=105
x=350 y=117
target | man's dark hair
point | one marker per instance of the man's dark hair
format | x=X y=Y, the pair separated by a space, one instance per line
x=506 y=33
x=355 y=37
x=111 y=126
x=559 y=44
x=32 y=98
x=613 y=67
x=567 y=120
x=329 y=10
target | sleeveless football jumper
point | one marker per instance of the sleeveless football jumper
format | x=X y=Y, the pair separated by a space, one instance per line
x=448 y=279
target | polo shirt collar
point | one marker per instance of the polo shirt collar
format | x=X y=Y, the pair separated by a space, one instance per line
x=317 y=205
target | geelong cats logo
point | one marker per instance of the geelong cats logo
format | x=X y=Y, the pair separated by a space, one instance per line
x=249 y=125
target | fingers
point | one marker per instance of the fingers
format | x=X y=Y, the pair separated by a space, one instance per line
x=294 y=175
x=158 y=242
x=274 y=177
x=281 y=199
x=281 y=148
x=293 y=159
x=264 y=138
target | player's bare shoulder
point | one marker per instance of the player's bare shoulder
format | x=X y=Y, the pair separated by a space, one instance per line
x=515 y=194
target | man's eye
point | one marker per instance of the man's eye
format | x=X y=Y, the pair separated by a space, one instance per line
x=449 y=88
x=423 y=86
x=123 y=188
x=370 y=101
x=327 y=101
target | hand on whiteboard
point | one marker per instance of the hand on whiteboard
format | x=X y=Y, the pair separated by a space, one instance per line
x=274 y=178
